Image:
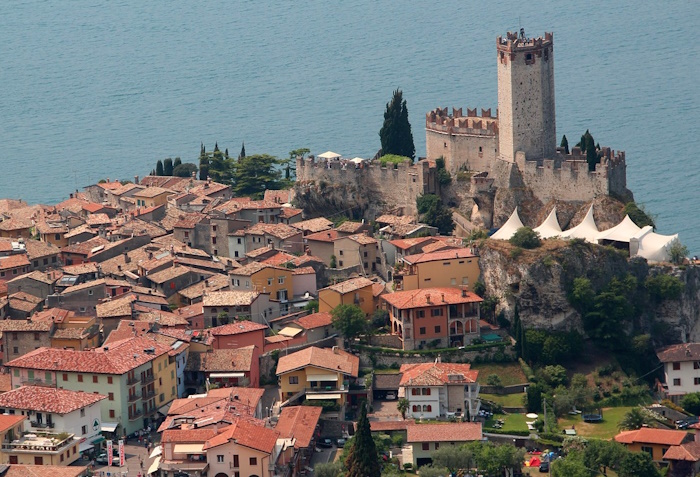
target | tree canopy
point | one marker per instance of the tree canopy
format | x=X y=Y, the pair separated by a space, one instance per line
x=635 y=418
x=252 y=175
x=349 y=320
x=435 y=213
x=525 y=237
x=185 y=170
x=395 y=134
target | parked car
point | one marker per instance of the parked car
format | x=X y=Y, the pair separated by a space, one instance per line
x=327 y=443
x=341 y=442
x=102 y=459
x=684 y=423
x=391 y=395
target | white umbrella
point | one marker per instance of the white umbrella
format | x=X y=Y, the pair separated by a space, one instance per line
x=158 y=450
x=329 y=155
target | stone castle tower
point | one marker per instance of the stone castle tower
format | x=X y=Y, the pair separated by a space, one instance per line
x=526 y=115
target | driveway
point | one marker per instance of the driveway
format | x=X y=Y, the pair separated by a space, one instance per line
x=385 y=411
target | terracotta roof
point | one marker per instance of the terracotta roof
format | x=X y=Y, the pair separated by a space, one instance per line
x=24 y=325
x=279 y=258
x=679 y=352
x=150 y=192
x=42 y=277
x=230 y=298
x=362 y=239
x=85 y=248
x=649 y=435
x=71 y=333
x=237 y=328
x=120 y=358
x=80 y=269
x=281 y=231
x=181 y=436
x=430 y=297
x=306 y=258
x=214 y=283
x=200 y=263
x=188 y=221
x=277 y=339
x=351 y=285
x=280 y=196
x=315 y=320
x=253 y=268
x=314 y=225
x=439 y=245
x=298 y=422
x=45 y=399
x=169 y=273
x=304 y=271
x=247 y=434
x=437 y=374
x=227 y=360
x=238 y=394
x=689 y=451
x=98 y=219
x=350 y=227
x=451 y=254
x=260 y=251
x=84 y=286
x=289 y=212
x=51 y=228
x=13 y=261
x=117 y=307
x=324 y=358
x=195 y=309
x=10 y=225
x=8 y=421
x=383 y=426
x=81 y=229
x=450 y=432
x=109 y=185
x=395 y=219
x=325 y=236
x=5 y=383
x=20 y=470
x=139 y=227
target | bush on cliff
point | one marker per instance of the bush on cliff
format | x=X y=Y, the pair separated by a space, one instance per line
x=393 y=159
x=638 y=215
x=435 y=213
x=525 y=237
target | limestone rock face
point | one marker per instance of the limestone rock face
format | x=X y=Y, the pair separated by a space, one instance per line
x=537 y=281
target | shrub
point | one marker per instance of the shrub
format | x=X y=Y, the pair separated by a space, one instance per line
x=638 y=215
x=678 y=252
x=525 y=237
x=664 y=287
x=397 y=440
x=516 y=252
x=393 y=159
x=494 y=380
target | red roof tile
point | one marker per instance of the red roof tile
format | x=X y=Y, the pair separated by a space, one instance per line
x=298 y=422
x=8 y=421
x=237 y=328
x=430 y=297
x=450 y=432
x=247 y=434
x=45 y=399
x=324 y=358
x=649 y=435
x=315 y=320
x=439 y=256
x=437 y=374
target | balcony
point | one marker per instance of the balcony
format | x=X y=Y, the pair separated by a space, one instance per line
x=39 y=443
x=148 y=394
x=42 y=425
x=133 y=415
x=151 y=411
x=131 y=380
x=39 y=382
x=133 y=397
x=147 y=379
x=189 y=466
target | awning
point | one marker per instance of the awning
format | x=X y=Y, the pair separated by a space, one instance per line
x=322 y=377
x=164 y=409
x=109 y=426
x=290 y=331
x=154 y=466
x=227 y=375
x=85 y=446
x=318 y=397
x=188 y=448
x=158 y=450
x=98 y=439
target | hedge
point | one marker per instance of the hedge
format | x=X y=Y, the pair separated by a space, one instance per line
x=428 y=352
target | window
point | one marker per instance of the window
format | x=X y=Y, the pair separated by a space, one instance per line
x=213 y=240
x=38 y=460
x=65 y=376
x=421 y=313
x=421 y=330
x=677 y=366
x=437 y=445
x=219 y=458
x=95 y=379
x=649 y=450
x=109 y=379
x=340 y=253
x=253 y=461
x=677 y=381
x=365 y=254
x=15 y=350
x=415 y=408
x=426 y=446
x=61 y=456
x=82 y=412
x=453 y=281
x=436 y=312
x=111 y=413
x=425 y=391
x=294 y=380
x=696 y=381
x=481 y=149
x=80 y=378
x=340 y=263
x=235 y=461
x=415 y=392
x=15 y=336
x=696 y=364
x=280 y=280
x=427 y=408
x=187 y=234
x=239 y=241
x=162 y=397
x=269 y=281
x=83 y=430
x=437 y=329
x=528 y=57
x=111 y=396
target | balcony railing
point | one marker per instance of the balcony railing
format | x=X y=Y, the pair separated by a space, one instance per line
x=131 y=380
x=150 y=412
x=133 y=415
x=42 y=425
x=148 y=394
x=147 y=379
x=39 y=382
x=134 y=397
x=38 y=443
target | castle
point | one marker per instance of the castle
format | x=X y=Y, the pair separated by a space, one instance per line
x=515 y=149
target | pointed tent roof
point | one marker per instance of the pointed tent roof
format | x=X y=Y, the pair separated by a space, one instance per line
x=329 y=155
x=550 y=227
x=509 y=228
x=622 y=232
x=652 y=246
x=586 y=230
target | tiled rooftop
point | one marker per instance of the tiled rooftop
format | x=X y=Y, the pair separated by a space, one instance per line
x=313 y=225
x=299 y=422
x=430 y=297
x=449 y=432
x=315 y=320
x=46 y=399
x=351 y=285
x=324 y=358
x=236 y=328
x=437 y=374
x=230 y=298
x=441 y=255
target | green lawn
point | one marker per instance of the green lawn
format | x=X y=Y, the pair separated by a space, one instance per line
x=513 y=422
x=510 y=373
x=386 y=371
x=603 y=430
x=507 y=400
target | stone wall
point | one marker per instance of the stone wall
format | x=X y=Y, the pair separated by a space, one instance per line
x=388 y=359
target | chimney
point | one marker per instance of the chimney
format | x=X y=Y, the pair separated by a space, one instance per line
x=119 y=267
x=150 y=255
x=335 y=350
x=443 y=298
x=71 y=195
x=464 y=292
x=136 y=179
x=127 y=259
x=427 y=297
x=206 y=282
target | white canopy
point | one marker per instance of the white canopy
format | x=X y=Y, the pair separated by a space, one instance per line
x=329 y=155
x=652 y=246
x=357 y=160
x=550 y=227
x=622 y=232
x=509 y=228
x=586 y=230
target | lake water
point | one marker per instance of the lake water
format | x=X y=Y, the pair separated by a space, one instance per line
x=93 y=88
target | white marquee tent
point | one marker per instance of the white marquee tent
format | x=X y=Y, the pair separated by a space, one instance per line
x=586 y=230
x=329 y=155
x=509 y=228
x=550 y=227
x=652 y=246
x=622 y=232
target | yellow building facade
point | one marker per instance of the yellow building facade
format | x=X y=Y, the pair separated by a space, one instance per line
x=356 y=291
x=448 y=268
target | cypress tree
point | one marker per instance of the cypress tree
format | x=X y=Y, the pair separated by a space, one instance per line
x=362 y=460
x=564 y=144
x=242 y=154
x=203 y=165
x=168 y=167
x=176 y=162
x=395 y=135
x=159 y=168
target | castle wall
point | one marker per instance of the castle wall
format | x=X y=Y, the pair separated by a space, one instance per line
x=466 y=142
x=399 y=187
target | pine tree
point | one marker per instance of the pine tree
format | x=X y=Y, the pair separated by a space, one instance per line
x=159 y=168
x=564 y=144
x=168 y=167
x=362 y=460
x=395 y=135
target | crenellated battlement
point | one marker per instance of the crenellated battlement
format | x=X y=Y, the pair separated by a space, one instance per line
x=439 y=120
x=514 y=42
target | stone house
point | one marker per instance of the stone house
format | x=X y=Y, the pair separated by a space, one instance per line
x=39 y=284
x=172 y=279
x=151 y=196
x=12 y=266
x=239 y=334
x=357 y=250
x=221 y=307
x=226 y=367
x=53 y=233
x=19 y=337
x=82 y=298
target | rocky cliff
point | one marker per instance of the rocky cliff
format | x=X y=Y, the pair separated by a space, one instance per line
x=538 y=282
